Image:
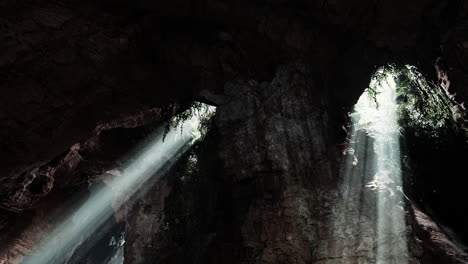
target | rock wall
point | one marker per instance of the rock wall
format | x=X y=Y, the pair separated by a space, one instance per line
x=281 y=189
x=35 y=201
x=275 y=140
x=282 y=151
x=70 y=69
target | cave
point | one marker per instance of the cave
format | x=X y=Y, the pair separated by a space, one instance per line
x=228 y=132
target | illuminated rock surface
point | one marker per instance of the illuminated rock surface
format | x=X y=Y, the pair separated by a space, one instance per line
x=82 y=82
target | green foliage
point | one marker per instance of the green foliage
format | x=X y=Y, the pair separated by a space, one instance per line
x=424 y=108
x=203 y=111
x=377 y=79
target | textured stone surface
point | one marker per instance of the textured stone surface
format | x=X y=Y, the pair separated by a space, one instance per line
x=286 y=202
x=298 y=212
x=69 y=69
x=48 y=192
x=275 y=150
x=66 y=60
x=440 y=247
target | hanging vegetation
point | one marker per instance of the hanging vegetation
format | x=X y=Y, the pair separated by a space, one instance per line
x=425 y=111
x=204 y=112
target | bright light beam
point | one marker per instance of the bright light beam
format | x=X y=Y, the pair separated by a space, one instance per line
x=60 y=245
x=380 y=120
x=371 y=194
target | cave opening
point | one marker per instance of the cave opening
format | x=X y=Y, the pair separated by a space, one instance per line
x=372 y=173
x=91 y=231
x=433 y=139
x=398 y=118
x=88 y=86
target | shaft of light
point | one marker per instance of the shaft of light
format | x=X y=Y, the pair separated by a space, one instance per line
x=381 y=121
x=61 y=243
x=370 y=217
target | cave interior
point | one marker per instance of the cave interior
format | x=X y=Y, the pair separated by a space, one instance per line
x=229 y=132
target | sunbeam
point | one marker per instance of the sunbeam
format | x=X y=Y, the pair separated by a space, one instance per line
x=59 y=245
x=378 y=116
x=372 y=205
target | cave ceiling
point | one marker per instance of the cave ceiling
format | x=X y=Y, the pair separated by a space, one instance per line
x=70 y=70
x=68 y=66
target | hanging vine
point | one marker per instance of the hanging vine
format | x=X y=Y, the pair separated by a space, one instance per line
x=203 y=111
x=424 y=109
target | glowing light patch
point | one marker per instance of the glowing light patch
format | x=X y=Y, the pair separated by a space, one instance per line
x=59 y=245
x=372 y=180
x=378 y=116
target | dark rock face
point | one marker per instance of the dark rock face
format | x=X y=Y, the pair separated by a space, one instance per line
x=22 y=190
x=38 y=206
x=185 y=217
x=276 y=151
x=86 y=71
x=66 y=60
x=296 y=212
x=282 y=188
